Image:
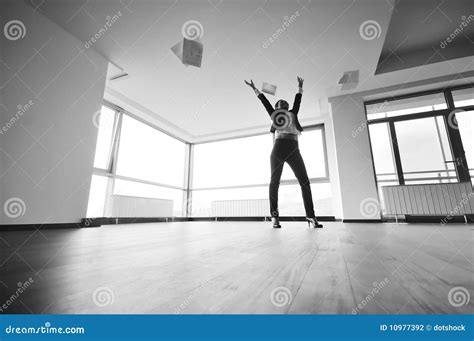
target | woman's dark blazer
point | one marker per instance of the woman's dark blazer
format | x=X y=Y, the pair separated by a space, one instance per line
x=295 y=110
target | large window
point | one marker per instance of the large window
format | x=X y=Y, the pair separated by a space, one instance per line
x=423 y=139
x=239 y=169
x=136 y=159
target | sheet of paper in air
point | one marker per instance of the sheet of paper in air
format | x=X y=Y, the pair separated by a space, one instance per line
x=269 y=88
x=192 y=52
x=178 y=50
x=349 y=80
x=189 y=52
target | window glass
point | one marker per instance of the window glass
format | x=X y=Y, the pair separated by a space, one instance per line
x=463 y=97
x=465 y=121
x=426 y=161
x=382 y=151
x=290 y=199
x=233 y=162
x=406 y=106
x=138 y=189
x=105 y=122
x=148 y=154
x=97 y=193
x=311 y=145
x=246 y=161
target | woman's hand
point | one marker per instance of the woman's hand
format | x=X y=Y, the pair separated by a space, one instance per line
x=250 y=84
x=300 y=82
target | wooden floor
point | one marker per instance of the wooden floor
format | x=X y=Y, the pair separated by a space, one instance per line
x=238 y=267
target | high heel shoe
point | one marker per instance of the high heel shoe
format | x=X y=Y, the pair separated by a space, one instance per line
x=312 y=222
x=276 y=223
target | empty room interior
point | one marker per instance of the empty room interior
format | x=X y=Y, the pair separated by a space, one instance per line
x=236 y=157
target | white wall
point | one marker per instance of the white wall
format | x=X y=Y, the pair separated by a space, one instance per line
x=47 y=155
x=357 y=191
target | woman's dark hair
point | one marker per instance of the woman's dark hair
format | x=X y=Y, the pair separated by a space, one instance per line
x=282 y=104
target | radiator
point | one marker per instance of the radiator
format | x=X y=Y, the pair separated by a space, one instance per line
x=129 y=206
x=240 y=208
x=432 y=199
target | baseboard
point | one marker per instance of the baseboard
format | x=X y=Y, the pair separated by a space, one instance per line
x=97 y=222
x=52 y=226
x=362 y=220
x=440 y=219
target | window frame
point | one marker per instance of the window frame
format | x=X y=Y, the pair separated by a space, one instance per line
x=454 y=138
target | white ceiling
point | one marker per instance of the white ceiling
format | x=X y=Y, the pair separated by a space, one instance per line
x=319 y=45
